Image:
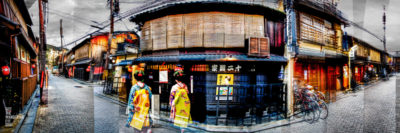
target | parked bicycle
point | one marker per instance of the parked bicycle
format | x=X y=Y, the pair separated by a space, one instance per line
x=311 y=104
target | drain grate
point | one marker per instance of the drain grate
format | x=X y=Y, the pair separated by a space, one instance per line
x=78 y=86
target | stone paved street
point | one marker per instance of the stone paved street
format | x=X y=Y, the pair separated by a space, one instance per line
x=371 y=110
x=70 y=108
x=76 y=107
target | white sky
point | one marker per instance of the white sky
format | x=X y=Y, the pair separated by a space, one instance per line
x=77 y=16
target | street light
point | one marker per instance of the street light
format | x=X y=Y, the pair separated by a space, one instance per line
x=351 y=55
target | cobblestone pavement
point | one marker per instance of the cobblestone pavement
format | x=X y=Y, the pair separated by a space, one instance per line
x=75 y=107
x=371 y=110
x=70 y=108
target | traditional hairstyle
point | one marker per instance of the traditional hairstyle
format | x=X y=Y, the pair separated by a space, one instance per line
x=178 y=74
x=139 y=75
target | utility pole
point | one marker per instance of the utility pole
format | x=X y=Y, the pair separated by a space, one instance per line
x=43 y=99
x=110 y=35
x=62 y=49
x=384 y=28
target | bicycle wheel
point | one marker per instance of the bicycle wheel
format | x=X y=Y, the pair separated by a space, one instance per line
x=315 y=108
x=323 y=110
x=308 y=114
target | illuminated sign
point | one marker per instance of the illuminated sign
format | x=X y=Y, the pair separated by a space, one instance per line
x=225 y=68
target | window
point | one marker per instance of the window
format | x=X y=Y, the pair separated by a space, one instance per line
x=316 y=30
x=1 y=7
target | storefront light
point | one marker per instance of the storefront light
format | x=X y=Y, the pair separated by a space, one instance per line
x=229 y=58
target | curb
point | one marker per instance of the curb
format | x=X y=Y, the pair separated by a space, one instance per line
x=342 y=94
x=27 y=115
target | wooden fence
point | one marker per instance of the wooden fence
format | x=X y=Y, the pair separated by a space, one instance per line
x=28 y=87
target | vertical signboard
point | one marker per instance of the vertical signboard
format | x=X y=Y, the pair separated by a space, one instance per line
x=163 y=76
x=224 y=81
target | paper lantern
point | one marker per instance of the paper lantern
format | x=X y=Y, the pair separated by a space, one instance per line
x=87 y=70
x=129 y=69
x=33 y=66
x=5 y=70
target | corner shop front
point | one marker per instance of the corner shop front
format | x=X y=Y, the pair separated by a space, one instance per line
x=224 y=89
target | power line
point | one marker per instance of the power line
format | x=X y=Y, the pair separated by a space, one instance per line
x=61 y=12
x=122 y=16
x=77 y=20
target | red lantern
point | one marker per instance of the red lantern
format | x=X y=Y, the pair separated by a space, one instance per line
x=5 y=70
x=33 y=66
x=87 y=70
x=88 y=67
x=129 y=69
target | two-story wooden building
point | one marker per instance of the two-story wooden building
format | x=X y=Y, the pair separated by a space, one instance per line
x=85 y=61
x=236 y=40
x=18 y=57
x=370 y=63
x=315 y=48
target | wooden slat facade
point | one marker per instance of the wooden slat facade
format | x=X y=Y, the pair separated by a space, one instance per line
x=206 y=29
x=175 y=31
x=193 y=29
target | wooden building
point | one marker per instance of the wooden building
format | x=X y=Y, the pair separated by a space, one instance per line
x=85 y=61
x=123 y=58
x=18 y=57
x=316 y=54
x=239 y=39
x=369 y=62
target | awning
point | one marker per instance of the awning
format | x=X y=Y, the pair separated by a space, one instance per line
x=209 y=57
x=86 y=61
x=311 y=52
x=7 y=22
x=124 y=63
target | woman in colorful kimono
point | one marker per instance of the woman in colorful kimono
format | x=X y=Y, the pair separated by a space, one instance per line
x=180 y=105
x=178 y=72
x=139 y=105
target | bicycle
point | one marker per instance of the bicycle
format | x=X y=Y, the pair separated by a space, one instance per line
x=323 y=107
x=308 y=106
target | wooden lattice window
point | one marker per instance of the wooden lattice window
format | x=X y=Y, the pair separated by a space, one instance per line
x=316 y=30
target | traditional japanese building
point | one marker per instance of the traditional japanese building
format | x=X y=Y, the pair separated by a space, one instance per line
x=396 y=61
x=316 y=54
x=232 y=52
x=18 y=57
x=369 y=62
x=86 y=60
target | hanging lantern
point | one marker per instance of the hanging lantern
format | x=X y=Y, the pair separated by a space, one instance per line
x=129 y=69
x=5 y=70
x=88 y=69
x=33 y=66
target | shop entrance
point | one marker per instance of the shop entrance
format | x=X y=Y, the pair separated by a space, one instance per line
x=331 y=83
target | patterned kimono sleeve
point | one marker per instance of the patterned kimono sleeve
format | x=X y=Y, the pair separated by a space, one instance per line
x=131 y=95
x=176 y=99
x=172 y=94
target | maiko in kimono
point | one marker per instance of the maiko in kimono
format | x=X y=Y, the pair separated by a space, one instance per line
x=139 y=105
x=180 y=104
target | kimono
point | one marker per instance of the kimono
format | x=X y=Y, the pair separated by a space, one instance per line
x=182 y=108
x=139 y=101
x=172 y=97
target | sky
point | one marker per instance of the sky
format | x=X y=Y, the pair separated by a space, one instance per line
x=368 y=13
x=78 y=15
